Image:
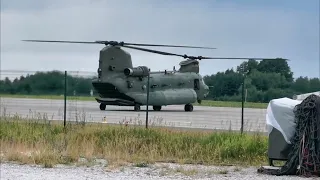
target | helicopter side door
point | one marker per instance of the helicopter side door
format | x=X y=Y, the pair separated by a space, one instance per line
x=196 y=86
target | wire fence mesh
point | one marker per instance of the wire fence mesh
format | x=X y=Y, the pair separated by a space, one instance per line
x=40 y=95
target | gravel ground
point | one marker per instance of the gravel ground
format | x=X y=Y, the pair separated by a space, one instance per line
x=159 y=171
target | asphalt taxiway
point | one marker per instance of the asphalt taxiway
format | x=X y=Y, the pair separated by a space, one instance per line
x=222 y=118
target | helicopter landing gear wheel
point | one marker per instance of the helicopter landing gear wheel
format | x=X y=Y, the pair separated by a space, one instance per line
x=156 y=108
x=136 y=107
x=188 y=107
x=102 y=107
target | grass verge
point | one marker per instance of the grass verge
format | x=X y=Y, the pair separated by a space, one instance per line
x=233 y=104
x=48 y=143
x=204 y=103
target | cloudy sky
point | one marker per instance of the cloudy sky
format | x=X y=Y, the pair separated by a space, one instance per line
x=237 y=28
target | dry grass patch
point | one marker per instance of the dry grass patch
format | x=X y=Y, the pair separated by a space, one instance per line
x=49 y=143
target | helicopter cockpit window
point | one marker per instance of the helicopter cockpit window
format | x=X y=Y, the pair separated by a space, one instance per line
x=196 y=84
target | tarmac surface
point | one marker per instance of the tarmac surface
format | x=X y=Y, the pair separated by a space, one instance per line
x=220 y=118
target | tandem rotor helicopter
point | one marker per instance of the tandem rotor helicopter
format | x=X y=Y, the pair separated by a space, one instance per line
x=119 y=83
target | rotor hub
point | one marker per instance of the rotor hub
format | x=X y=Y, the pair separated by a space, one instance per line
x=112 y=43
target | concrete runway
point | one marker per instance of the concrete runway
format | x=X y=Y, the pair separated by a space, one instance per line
x=201 y=117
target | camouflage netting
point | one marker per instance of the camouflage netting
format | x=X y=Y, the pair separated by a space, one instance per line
x=304 y=157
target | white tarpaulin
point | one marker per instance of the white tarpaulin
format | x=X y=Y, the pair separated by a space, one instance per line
x=280 y=116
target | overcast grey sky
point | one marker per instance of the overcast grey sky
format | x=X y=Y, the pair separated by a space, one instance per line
x=237 y=28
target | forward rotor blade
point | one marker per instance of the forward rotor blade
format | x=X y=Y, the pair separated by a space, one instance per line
x=83 y=42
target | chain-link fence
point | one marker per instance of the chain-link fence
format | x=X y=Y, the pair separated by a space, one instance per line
x=40 y=95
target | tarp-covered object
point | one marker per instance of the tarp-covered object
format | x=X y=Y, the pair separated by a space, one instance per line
x=280 y=115
x=304 y=155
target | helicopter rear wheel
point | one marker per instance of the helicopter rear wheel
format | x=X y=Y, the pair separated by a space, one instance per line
x=156 y=108
x=102 y=107
x=136 y=107
x=188 y=107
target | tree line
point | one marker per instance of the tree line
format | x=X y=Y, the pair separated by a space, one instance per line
x=47 y=83
x=263 y=81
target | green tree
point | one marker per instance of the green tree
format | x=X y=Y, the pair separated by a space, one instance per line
x=314 y=84
x=278 y=65
x=301 y=85
x=247 y=67
x=46 y=83
x=265 y=81
x=223 y=84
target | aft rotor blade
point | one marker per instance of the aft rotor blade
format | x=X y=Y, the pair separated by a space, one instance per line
x=200 y=57
x=192 y=57
x=83 y=42
x=165 y=45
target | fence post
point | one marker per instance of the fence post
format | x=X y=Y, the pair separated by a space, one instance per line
x=147 y=111
x=65 y=99
x=242 y=106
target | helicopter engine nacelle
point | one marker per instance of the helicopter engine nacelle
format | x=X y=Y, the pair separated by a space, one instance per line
x=140 y=71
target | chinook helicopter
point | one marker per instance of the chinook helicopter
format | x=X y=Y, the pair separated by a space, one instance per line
x=119 y=83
